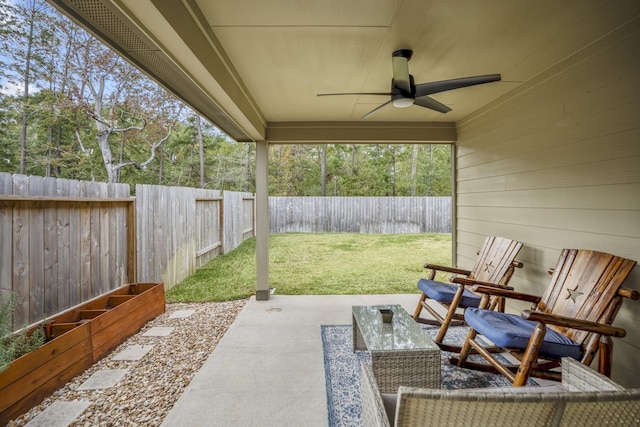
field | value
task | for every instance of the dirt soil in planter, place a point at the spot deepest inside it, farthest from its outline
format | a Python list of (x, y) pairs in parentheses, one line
[(153, 384)]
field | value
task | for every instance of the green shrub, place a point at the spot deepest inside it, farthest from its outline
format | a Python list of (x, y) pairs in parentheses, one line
[(12, 345)]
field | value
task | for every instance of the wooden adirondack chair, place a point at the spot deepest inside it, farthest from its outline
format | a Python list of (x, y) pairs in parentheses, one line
[(495, 266), (572, 319)]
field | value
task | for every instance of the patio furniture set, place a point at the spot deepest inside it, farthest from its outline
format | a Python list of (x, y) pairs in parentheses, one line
[(556, 340)]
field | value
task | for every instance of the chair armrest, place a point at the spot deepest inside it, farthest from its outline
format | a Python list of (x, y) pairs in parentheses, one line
[(570, 322), (629, 293), (465, 281), (492, 289), (447, 269)]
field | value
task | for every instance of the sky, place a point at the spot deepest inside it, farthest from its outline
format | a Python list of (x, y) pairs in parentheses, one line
[(7, 88)]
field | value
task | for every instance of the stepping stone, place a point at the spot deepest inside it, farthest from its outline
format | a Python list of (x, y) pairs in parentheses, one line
[(59, 414), (158, 331), (180, 314), (133, 352), (103, 378)]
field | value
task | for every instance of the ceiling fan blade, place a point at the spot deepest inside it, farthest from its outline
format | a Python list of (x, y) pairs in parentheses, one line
[(372, 112), (356, 93), (423, 89), (401, 78), (432, 104)]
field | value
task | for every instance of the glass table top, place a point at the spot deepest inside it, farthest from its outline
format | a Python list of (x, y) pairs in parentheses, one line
[(403, 333)]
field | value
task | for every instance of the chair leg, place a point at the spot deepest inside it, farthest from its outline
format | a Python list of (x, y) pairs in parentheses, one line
[(530, 355), (606, 355), (423, 297), (466, 347), (418, 309), (450, 314)]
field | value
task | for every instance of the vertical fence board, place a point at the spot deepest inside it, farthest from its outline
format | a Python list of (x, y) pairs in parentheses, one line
[(63, 232), (36, 250), (142, 219), (85, 244), (113, 240), (50, 235), (101, 241), (21, 254), (75, 245), (6, 241)]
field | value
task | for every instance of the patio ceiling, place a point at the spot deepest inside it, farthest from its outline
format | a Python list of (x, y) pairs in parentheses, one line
[(254, 67)]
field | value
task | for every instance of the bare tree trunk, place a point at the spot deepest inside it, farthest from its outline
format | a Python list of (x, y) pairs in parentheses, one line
[(247, 167), (280, 148), (414, 167), (50, 151), (201, 149), (47, 169), (105, 149), (190, 175), (160, 168), (430, 190), (58, 149), (323, 170), (393, 170), (353, 159), (25, 97), (121, 155)]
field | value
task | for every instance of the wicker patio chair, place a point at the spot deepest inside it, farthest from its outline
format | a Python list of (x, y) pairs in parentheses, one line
[(585, 398), (572, 319), (495, 264)]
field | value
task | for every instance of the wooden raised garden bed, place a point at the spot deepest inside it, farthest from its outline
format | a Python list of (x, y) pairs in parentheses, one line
[(76, 339)]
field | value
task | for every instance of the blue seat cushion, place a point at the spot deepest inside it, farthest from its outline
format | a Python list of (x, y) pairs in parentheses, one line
[(512, 331), (444, 293)]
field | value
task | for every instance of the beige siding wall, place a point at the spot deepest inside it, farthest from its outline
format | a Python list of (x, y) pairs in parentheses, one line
[(557, 165)]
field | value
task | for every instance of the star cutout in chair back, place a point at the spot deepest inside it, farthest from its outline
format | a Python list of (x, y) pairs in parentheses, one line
[(488, 266), (574, 293)]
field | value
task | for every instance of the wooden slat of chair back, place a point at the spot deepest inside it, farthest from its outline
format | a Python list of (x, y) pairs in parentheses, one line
[(583, 286), (495, 260)]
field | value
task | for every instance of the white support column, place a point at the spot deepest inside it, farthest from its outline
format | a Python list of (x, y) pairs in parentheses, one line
[(262, 220)]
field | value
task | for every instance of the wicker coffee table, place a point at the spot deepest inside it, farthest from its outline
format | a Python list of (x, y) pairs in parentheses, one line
[(401, 351)]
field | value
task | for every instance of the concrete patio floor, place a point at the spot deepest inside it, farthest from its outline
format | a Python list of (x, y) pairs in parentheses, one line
[(268, 369)]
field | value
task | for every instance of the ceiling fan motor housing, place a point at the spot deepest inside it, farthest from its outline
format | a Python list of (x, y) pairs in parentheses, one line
[(401, 98), (404, 53)]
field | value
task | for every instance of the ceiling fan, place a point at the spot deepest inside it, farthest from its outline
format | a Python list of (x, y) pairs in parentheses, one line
[(404, 92)]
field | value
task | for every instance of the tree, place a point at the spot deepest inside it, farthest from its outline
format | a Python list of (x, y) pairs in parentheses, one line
[(24, 35), (200, 149), (9, 134), (116, 97), (360, 170), (323, 171)]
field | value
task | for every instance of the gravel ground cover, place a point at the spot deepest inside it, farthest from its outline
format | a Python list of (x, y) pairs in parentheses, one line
[(151, 386)]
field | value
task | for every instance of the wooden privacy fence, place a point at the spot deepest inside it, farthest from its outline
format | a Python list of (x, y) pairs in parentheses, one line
[(375, 215), (63, 242), (180, 229)]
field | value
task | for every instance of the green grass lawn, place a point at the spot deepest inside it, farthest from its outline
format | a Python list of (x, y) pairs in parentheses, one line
[(319, 264)]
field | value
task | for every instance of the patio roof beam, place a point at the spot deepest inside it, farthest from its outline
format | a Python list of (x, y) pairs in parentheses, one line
[(361, 132)]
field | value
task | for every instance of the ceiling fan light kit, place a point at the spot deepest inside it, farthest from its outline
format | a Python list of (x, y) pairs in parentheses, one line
[(405, 93), (402, 102)]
